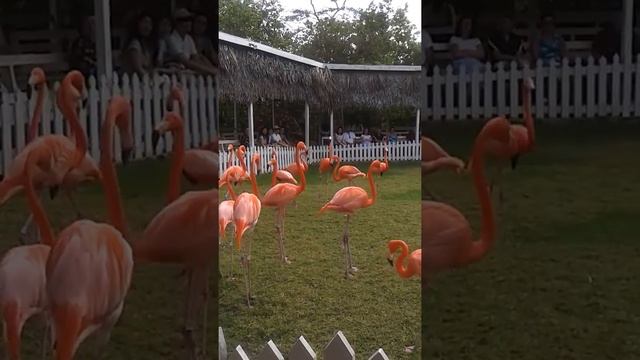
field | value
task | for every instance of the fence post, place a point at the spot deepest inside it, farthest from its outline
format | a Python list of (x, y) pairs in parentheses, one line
[(222, 345), (339, 348)]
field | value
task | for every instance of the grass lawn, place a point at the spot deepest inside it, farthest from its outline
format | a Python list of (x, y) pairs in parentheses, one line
[(311, 297), (150, 327), (563, 281)]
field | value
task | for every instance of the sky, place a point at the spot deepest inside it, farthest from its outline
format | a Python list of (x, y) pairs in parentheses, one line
[(414, 12)]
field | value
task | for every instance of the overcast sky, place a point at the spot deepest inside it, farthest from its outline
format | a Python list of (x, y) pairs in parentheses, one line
[(414, 12)]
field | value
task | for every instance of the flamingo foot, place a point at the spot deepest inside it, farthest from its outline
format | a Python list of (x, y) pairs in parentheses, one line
[(353, 270), (286, 260)]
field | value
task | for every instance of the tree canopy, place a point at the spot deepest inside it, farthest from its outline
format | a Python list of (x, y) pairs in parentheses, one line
[(377, 34)]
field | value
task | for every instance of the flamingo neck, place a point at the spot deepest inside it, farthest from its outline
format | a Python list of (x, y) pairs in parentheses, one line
[(68, 109), (39, 214), (274, 179), (109, 178), (372, 187), (230, 190), (243, 165), (528, 118), (480, 247), (37, 112), (405, 271), (303, 180), (230, 160), (177, 163), (254, 182), (334, 174)]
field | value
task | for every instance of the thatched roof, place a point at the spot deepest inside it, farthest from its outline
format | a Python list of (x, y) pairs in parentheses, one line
[(252, 72)]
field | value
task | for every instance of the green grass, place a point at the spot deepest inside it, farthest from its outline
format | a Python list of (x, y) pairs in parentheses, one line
[(563, 281), (151, 323), (311, 297)]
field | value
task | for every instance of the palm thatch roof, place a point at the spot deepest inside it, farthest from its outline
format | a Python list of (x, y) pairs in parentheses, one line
[(252, 72)]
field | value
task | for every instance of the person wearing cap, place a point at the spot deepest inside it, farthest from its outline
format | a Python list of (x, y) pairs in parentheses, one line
[(182, 48)]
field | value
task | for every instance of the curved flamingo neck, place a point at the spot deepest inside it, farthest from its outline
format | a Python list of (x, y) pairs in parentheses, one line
[(254, 181), (480, 247), (243, 165), (68, 109), (231, 192), (37, 113), (109, 178), (528, 118), (372, 186), (303, 180), (39, 214), (334, 174), (177, 163), (405, 271), (230, 160), (274, 178)]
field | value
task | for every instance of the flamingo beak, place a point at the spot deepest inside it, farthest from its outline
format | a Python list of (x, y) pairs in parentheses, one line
[(155, 137), (126, 153), (390, 260), (514, 162), (53, 191)]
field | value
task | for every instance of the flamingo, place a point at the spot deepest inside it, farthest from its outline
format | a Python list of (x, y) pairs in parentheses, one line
[(246, 212), (279, 175), (89, 269), (225, 217), (521, 137), (348, 172), (199, 167), (434, 158), (235, 173), (294, 168), (22, 271), (346, 201), (446, 233), (281, 195), (72, 166), (325, 168), (414, 266)]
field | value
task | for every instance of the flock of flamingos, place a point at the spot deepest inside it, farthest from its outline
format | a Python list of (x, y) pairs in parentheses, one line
[(78, 278), (243, 211), (446, 233)]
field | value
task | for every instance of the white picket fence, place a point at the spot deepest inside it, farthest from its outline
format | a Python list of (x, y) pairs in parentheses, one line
[(401, 151), (594, 89), (337, 349), (148, 97)]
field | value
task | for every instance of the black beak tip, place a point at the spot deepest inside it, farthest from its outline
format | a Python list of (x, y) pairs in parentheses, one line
[(53, 192), (514, 162), (155, 137), (390, 261)]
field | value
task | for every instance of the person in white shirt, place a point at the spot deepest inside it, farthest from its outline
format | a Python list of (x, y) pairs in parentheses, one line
[(349, 137), (466, 50), (276, 139), (366, 137), (340, 137), (182, 49)]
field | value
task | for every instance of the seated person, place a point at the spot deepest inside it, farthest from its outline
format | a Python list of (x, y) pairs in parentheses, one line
[(606, 43), (276, 139), (350, 136), (548, 46), (182, 48), (505, 45), (339, 137), (392, 137), (203, 42), (466, 49), (427, 49), (140, 49), (366, 138)]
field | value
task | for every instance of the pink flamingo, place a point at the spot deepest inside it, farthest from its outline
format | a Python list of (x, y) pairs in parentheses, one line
[(434, 158), (236, 173), (246, 212), (325, 168), (414, 266), (346, 172), (279, 175), (346, 201), (281, 195), (446, 233)]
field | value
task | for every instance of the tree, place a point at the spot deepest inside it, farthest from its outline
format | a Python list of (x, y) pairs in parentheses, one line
[(378, 34), (259, 20)]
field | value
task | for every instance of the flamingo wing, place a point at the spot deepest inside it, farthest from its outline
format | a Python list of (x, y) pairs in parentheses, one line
[(88, 276), (446, 234), (201, 165), (347, 199), (280, 195), (225, 215), (182, 231), (285, 176)]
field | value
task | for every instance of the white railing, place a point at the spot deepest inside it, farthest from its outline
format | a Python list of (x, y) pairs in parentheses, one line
[(401, 151), (580, 90), (337, 349), (148, 97)]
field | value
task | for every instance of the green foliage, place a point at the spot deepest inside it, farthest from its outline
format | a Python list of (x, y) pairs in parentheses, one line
[(259, 20)]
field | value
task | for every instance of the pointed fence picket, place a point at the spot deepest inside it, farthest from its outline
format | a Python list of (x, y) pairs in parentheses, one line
[(401, 151), (147, 96), (338, 348), (582, 88)]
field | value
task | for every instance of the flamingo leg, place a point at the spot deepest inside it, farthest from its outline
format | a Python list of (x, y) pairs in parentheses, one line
[(45, 336), (345, 247), (352, 269), (284, 253), (187, 331), (197, 297), (205, 310)]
